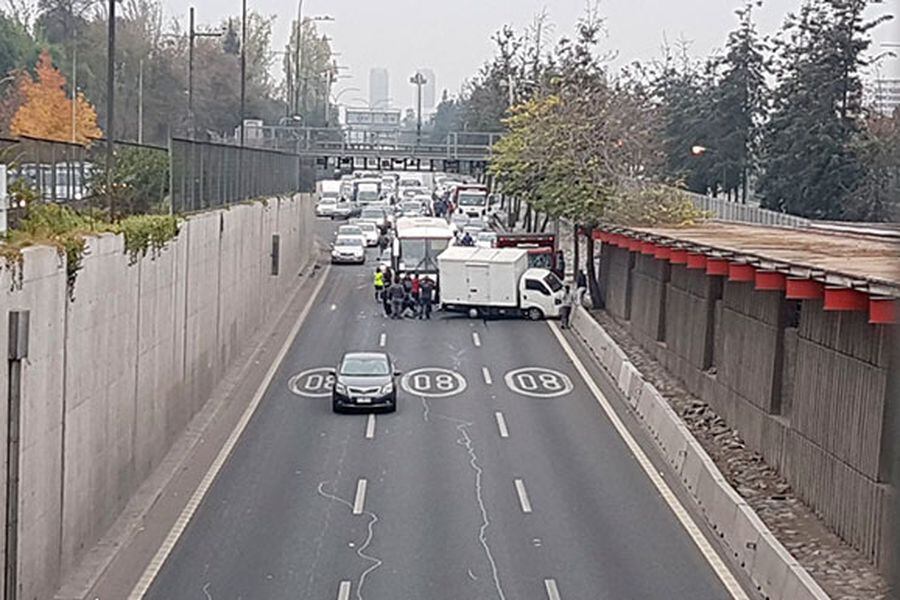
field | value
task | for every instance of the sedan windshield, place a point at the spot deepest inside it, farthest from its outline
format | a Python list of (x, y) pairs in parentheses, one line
[(356, 366), (350, 230), (372, 214), (472, 199), (348, 241)]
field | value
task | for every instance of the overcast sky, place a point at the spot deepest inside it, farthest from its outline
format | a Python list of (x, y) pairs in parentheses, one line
[(452, 37)]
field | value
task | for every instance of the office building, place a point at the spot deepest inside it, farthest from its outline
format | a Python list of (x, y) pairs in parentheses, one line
[(379, 88)]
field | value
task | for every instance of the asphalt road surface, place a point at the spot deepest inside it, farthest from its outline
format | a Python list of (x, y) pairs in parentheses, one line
[(499, 477)]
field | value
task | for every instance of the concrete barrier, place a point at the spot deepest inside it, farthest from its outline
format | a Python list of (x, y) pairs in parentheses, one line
[(114, 375), (774, 572)]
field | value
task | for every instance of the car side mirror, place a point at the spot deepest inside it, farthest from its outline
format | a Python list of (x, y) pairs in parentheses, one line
[(398, 373), (332, 372)]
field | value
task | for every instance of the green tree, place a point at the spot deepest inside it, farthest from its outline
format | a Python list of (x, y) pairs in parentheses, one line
[(812, 157), (738, 106)]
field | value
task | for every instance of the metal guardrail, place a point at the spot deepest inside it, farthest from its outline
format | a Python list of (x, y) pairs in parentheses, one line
[(724, 210), (207, 175)]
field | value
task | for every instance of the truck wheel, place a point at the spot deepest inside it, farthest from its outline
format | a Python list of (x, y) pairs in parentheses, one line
[(535, 314), (473, 313)]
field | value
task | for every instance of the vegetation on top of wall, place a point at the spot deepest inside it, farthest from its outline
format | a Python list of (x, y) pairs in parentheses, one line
[(653, 204), (67, 230)]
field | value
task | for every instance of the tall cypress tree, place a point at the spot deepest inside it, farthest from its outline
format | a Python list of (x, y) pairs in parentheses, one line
[(811, 162), (739, 103)]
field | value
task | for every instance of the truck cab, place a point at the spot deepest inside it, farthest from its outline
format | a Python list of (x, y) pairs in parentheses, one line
[(540, 290)]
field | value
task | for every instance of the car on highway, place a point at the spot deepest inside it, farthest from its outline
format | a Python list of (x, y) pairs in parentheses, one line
[(458, 222), (412, 208), (486, 239), (365, 381), (377, 215), (349, 230), (345, 209), (370, 231), (348, 249), (325, 207)]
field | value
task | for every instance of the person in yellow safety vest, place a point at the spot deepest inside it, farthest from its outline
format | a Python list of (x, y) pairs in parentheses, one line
[(379, 283)]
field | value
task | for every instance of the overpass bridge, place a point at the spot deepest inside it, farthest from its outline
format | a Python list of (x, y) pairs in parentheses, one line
[(333, 148)]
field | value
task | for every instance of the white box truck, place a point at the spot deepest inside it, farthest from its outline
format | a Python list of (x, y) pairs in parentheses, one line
[(496, 281)]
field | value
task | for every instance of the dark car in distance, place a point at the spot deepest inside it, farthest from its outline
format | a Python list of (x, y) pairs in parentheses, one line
[(365, 381)]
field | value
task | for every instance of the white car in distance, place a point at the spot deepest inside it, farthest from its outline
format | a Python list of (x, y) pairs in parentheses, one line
[(348, 249), (486, 239), (370, 232), (325, 207)]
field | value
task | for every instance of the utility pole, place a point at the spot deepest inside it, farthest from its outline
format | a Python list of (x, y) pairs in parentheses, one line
[(418, 80), (141, 101), (243, 67), (298, 72), (110, 104), (193, 35), (74, 88)]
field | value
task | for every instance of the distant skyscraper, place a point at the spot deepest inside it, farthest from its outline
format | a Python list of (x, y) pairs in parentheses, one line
[(379, 88), (428, 90)]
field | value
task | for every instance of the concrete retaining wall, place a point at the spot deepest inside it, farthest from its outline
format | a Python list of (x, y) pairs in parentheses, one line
[(769, 566), (805, 388), (115, 375)]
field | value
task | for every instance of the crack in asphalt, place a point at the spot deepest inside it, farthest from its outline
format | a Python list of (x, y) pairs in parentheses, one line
[(465, 440), (360, 550), (320, 538)]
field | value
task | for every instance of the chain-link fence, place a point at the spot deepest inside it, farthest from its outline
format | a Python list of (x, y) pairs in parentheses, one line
[(206, 175)]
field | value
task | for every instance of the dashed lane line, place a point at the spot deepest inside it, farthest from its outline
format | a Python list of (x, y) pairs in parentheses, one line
[(486, 373), (501, 424), (476, 339), (382, 340), (359, 501), (344, 591), (523, 496), (196, 498), (706, 549), (370, 427), (552, 590)]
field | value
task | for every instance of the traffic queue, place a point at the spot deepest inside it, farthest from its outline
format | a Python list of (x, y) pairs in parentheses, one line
[(414, 224)]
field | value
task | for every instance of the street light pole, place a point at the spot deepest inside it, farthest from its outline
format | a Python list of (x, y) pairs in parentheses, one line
[(192, 36), (243, 66), (418, 80), (110, 103)]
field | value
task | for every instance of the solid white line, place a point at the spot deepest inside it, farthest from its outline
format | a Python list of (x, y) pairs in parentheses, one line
[(487, 376), (382, 340), (190, 508), (552, 590), (344, 591), (359, 502), (718, 566), (523, 496), (501, 424), (370, 427), (476, 339)]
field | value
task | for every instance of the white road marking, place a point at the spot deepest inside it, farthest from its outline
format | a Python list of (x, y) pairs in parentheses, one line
[(718, 566), (359, 502), (370, 427), (190, 508), (523, 496), (552, 590), (476, 339), (487, 376), (344, 591), (501, 424), (382, 340)]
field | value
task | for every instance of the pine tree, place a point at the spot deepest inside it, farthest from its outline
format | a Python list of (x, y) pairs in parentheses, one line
[(739, 103), (812, 164)]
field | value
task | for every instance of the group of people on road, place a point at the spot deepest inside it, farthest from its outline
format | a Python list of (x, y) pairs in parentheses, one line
[(408, 296)]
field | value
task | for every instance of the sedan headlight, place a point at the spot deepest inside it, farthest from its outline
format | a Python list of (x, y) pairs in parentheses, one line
[(387, 388), (340, 388)]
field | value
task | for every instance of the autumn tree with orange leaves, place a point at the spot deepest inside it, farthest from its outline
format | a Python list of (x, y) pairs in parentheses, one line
[(46, 109)]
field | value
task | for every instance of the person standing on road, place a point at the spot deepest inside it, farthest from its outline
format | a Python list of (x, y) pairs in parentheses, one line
[(561, 265), (580, 287), (382, 244), (397, 294), (379, 284), (426, 298), (565, 310)]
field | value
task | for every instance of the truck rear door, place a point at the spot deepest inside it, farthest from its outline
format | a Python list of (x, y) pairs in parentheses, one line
[(479, 283)]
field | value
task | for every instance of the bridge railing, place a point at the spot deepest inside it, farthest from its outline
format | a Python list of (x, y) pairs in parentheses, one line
[(725, 210)]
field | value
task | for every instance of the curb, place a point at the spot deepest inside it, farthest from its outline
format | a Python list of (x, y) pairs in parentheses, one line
[(751, 545)]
